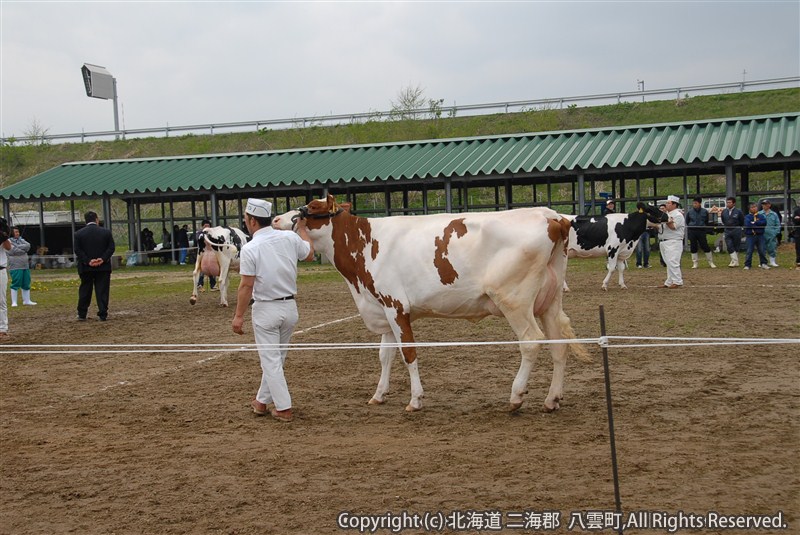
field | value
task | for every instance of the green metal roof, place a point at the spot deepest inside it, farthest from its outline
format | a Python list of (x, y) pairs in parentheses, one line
[(717, 140)]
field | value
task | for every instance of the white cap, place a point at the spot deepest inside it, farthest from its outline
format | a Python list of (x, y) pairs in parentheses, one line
[(258, 208), (674, 198), (610, 201)]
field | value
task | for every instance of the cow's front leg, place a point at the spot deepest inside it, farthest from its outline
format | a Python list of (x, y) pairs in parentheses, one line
[(387, 353), (401, 326)]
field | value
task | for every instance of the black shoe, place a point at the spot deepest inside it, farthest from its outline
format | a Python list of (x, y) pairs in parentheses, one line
[(81, 318), (102, 318)]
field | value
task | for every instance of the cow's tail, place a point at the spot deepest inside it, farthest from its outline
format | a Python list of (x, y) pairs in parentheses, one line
[(558, 261)]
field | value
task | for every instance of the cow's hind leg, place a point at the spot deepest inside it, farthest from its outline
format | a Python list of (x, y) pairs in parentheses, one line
[(401, 327), (557, 327), (621, 265), (387, 353), (527, 331), (195, 279)]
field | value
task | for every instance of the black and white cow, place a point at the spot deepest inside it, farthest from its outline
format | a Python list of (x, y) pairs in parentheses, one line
[(217, 253), (614, 236)]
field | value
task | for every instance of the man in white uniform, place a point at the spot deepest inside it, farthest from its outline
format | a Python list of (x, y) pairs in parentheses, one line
[(268, 266), (671, 242), (5, 245)]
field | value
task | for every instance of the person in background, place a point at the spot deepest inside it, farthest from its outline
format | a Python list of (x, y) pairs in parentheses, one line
[(643, 250), (5, 246), (754, 225), (733, 221), (94, 246), (697, 228), (212, 280), (269, 278), (796, 223), (183, 242), (663, 208), (771, 232), (611, 207), (19, 268), (671, 243)]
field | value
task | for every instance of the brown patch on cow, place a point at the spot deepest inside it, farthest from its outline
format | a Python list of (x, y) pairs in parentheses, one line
[(403, 320), (351, 235), (447, 273)]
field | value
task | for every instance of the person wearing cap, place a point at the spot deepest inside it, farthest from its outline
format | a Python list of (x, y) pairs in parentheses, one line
[(754, 225), (610, 207), (696, 229), (268, 267), (671, 242), (771, 232), (733, 221), (796, 223), (212, 280)]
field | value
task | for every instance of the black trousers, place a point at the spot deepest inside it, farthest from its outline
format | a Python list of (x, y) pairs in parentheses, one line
[(697, 240), (101, 282)]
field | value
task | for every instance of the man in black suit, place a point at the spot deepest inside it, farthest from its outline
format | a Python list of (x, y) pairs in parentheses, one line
[(94, 247)]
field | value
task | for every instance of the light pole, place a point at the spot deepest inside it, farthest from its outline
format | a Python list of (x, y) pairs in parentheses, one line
[(100, 83), (640, 86)]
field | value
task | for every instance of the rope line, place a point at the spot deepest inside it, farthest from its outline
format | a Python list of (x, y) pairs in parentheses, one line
[(603, 341)]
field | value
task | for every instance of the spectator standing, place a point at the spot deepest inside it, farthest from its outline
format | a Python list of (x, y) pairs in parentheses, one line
[(183, 242), (796, 222), (212, 280), (611, 207), (697, 229), (733, 221), (643, 250), (19, 268), (5, 246), (754, 225), (269, 277), (771, 232), (671, 243), (663, 208), (94, 246)]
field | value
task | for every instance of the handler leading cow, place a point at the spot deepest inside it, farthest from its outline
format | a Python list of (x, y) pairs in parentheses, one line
[(469, 266)]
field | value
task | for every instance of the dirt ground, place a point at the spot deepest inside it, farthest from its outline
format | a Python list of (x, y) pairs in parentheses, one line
[(148, 442)]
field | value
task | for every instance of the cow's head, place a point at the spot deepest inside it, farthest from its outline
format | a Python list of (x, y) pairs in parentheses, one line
[(654, 215), (318, 210)]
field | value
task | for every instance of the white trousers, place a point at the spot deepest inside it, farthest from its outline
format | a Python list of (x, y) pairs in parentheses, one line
[(273, 323), (3, 304), (672, 250)]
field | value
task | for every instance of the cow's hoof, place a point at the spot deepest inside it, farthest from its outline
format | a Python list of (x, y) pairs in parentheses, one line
[(514, 407), (624, 287), (193, 300), (547, 408), (605, 288), (374, 401), (224, 305), (412, 408)]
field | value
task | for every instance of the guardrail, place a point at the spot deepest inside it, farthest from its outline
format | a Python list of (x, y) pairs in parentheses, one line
[(422, 113)]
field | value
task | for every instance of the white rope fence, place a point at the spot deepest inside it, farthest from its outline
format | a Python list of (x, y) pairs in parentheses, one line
[(603, 342)]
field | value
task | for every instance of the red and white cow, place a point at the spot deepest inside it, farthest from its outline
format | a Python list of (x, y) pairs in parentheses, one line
[(614, 236), (217, 253), (469, 266)]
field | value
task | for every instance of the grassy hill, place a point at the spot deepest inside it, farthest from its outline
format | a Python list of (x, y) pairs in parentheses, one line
[(18, 162)]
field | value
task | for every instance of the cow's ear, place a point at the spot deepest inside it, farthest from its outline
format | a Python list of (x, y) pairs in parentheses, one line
[(331, 203)]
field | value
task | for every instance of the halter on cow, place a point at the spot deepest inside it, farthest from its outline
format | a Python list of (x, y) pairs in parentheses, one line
[(468, 266)]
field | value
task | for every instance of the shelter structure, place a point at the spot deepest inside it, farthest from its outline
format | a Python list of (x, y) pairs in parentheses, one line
[(439, 175)]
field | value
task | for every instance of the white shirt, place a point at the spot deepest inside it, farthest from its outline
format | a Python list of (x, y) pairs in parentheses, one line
[(3, 258), (271, 256), (679, 221)]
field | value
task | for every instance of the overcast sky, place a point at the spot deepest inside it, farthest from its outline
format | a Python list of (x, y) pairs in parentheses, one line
[(185, 63)]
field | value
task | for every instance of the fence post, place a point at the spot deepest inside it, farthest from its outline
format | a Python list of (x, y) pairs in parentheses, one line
[(612, 440)]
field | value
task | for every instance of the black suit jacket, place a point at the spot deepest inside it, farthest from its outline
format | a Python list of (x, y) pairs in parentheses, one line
[(93, 241)]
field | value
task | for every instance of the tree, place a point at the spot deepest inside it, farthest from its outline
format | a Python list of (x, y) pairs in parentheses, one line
[(409, 99), (36, 134)]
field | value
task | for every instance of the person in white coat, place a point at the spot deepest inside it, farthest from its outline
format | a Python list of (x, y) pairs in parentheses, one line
[(268, 267), (671, 242)]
